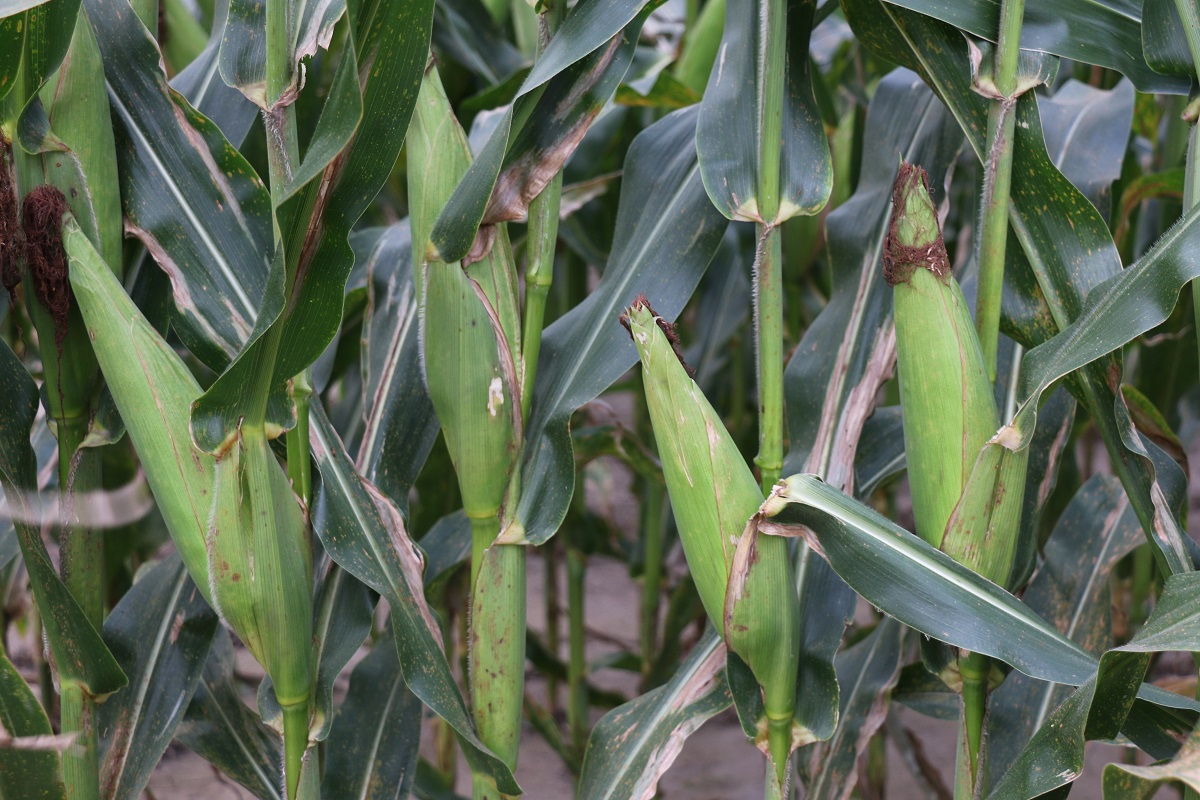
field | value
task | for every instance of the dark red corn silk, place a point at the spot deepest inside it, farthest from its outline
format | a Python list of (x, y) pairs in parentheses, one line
[(900, 260), (667, 328), (41, 219)]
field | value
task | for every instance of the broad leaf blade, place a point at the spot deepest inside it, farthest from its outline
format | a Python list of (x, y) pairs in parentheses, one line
[(34, 774)]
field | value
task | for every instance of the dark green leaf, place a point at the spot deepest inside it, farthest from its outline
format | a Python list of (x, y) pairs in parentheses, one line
[(729, 135), (26, 774), (160, 634), (579, 71), (1103, 32), (1163, 41), (666, 233), (866, 673), (372, 752), (190, 197), (201, 84), (363, 532), (220, 728)]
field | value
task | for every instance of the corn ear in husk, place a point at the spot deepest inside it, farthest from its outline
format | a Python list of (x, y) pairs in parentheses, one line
[(967, 487), (745, 580)]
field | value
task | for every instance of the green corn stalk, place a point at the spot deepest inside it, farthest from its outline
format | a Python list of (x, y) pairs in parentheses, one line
[(967, 488), (470, 326), (744, 581)]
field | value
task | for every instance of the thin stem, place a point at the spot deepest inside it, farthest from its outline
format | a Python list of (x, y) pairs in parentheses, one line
[(997, 183), (577, 706), (768, 330), (553, 617), (974, 668), (652, 555), (299, 463), (772, 33)]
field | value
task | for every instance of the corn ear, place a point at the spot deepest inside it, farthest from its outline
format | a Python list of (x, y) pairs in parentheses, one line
[(745, 580), (154, 392), (983, 530), (261, 575), (949, 412)]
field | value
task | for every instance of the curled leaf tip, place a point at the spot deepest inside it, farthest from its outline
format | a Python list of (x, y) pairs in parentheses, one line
[(914, 238)]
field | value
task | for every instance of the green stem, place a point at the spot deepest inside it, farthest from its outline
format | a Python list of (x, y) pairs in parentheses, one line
[(974, 668), (539, 274), (497, 637), (577, 705), (553, 616), (652, 556), (997, 182), (768, 329)]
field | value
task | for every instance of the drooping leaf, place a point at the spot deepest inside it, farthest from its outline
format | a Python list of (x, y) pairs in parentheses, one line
[(634, 745), (363, 532), (26, 774), (579, 71), (160, 634), (223, 730), (666, 233), (927, 590), (200, 82), (372, 752), (1103, 32), (1134, 782), (730, 133), (190, 197)]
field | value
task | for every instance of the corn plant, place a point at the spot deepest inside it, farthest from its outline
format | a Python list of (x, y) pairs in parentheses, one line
[(350, 346)]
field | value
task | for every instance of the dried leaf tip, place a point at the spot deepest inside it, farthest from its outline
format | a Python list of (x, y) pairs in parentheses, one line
[(914, 238), (641, 309)]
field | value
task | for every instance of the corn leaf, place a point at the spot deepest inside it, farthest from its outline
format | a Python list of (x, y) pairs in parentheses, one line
[(635, 744), (243, 54), (191, 198), (1099, 707), (160, 634), (200, 82), (1103, 32), (729, 134), (1132, 782), (79, 653), (867, 672), (399, 424), (372, 753), (1071, 590), (467, 32), (666, 233), (583, 65), (221, 729), (26, 774), (364, 533), (1164, 43), (12, 41)]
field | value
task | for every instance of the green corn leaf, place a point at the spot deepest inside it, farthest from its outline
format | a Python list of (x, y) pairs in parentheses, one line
[(400, 426), (468, 34), (153, 390), (364, 533), (189, 196), (12, 42), (634, 745), (1071, 590), (867, 671), (221, 729), (1164, 43), (243, 56), (1103, 32), (26, 774), (666, 234), (583, 64), (1098, 708), (1132, 782), (373, 750), (79, 653), (729, 134), (160, 634), (200, 82)]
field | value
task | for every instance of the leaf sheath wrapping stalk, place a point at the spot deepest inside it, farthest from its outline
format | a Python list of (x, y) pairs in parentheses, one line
[(745, 581)]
